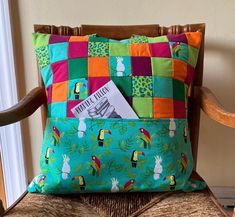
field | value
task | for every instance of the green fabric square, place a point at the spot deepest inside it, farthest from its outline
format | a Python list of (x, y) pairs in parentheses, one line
[(124, 84), (178, 90), (42, 55), (120, 66), (47, 76), (59, 109), (98, 49), (40, 40), (142, 86), (119, 49), (161, 66), (192, 56), (162, 87), (98, 39), (143, 106), (158, 39), (138, 39), (77, 89), (77, 68)]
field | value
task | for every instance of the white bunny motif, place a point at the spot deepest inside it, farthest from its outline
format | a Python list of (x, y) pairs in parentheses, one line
[(120, 66), (114, 185), (66, 167), (172, 127), (81, 128), (157, 168)]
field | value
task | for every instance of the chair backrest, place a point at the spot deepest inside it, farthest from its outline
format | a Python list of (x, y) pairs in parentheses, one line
[(122, 32)]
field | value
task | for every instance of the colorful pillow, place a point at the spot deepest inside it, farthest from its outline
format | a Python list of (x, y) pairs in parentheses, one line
[(152, 153)]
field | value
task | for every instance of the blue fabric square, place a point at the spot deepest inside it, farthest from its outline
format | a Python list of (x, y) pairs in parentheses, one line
[(58, 109), (78, 89), (179, 50), (58, 51), (46, 73), (120, 66), (163, 87)]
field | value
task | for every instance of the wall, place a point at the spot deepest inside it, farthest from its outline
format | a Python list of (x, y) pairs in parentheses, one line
[(216, 149)]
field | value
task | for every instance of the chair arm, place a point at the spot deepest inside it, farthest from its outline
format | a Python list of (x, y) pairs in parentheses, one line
[(27, 106), (212, 107)]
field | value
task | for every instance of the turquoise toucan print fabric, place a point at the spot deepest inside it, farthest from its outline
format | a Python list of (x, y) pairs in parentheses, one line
[(115, 155)]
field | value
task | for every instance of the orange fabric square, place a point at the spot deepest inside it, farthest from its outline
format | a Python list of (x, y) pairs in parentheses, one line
[(98, 66), (163, 108), (140, 50), (194, 39), (59, 91), (78, 38), (179, 71)]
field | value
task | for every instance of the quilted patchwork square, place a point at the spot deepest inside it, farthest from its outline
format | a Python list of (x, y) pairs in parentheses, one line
[(140, 50), (47, 76), (60, 71), (58, 51), (98, 66), (192, 56), (142, 86), (124, 84), (78, 68), (194, 39), (179, 109), (119, 66), (163, 108), (178, 90), (49, 94), (98, 39), (161, 66), (143, 106), (77, 89), (58, 39), (42, 55), (160, 49), (190, 74), (59, 91), (79, 38), (71, 104), (179, 50), (58, 109), (177, 38), (94, 83), (179, 70), (162, 87), (158, 39), (98, 49), (141, 66), (78, 49), (119, 49), (137, 39), (40, 40)]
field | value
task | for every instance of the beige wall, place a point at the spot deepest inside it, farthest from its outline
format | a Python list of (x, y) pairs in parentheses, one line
[(217, 143)]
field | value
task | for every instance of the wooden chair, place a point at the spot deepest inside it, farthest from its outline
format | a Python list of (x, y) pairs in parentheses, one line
[(202, 203)]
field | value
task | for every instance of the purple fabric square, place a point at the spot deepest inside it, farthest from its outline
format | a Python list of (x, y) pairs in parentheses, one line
[(60, 71), (179, 109), (141, 66), (70, 105), (78, 49), (58, 38), (178, 38), (94, 83), (49, 94), (160, 49), (190, 74)]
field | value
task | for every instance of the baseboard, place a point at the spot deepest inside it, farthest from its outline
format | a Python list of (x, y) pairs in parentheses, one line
[(226, 195)]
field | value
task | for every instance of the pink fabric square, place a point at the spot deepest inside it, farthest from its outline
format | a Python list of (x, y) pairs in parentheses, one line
[(179, 109), (60, 71), (78, 49), (58, 38), (49, 94), (94, 83), (190, 74), (160, 49), (71, 104)]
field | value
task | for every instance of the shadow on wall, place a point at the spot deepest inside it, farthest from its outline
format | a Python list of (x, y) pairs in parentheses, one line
[(20, 77)]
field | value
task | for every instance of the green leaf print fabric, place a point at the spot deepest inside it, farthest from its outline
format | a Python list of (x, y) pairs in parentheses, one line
[(114, 155)]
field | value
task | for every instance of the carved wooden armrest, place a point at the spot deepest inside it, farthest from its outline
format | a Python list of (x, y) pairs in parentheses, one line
[(212, 107), (27, 106)]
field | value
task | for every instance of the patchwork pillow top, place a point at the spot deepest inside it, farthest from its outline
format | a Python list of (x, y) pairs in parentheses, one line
[(152, 153)]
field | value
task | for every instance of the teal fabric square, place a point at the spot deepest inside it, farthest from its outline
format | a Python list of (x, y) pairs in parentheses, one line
[(58, 109), (178, 90), (47, 75), (120, 66), (162, 87), (142, 86), (78, 89), (179, 50), (58, 51)]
